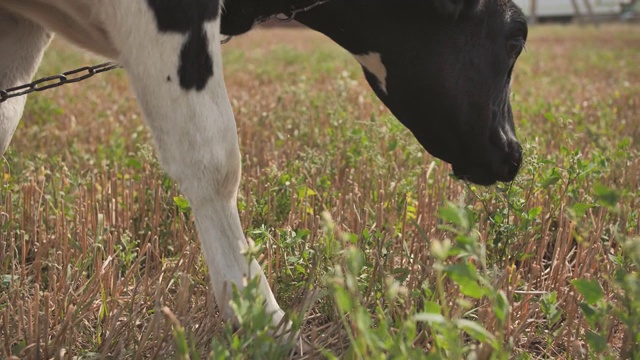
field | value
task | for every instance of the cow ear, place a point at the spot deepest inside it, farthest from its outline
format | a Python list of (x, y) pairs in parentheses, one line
[(453, 8)]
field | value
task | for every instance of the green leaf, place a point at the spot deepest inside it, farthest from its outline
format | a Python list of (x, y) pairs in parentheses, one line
[(454, 215), (476, 331), (393, 144), (534, 212), (134, 163), (430, 318), (343, 300), (590, 289), (304, 192), (590, 313), (181, 202), (606, 196), (501, 306), (551, 179), (400, 274), (440, 249), (363, 319), (581, 209), (6, 280), (466, 276), (432, 307), (549, 306), (597, 342), (355, 260)]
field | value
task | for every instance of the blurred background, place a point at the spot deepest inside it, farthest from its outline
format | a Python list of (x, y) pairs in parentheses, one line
[(581, 10)]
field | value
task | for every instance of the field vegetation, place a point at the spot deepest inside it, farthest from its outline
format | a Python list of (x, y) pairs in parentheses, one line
[(368, 242)]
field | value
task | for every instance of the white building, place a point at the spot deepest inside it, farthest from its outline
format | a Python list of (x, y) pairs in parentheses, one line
[(564, 8)]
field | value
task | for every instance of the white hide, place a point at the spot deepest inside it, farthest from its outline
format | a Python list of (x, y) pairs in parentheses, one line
[(22, 43), (373, 63), (195, 131)]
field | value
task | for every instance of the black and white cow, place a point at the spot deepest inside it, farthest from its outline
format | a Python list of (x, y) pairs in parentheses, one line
[(443, 67)]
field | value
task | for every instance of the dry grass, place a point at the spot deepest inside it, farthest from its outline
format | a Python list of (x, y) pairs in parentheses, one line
[(93, 246)]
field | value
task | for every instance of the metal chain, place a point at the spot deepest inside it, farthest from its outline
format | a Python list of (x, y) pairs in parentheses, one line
[(86, 72), (291, 14), (50, 82)]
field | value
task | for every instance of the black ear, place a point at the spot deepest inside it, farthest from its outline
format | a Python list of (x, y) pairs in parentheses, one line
[(453, 8)]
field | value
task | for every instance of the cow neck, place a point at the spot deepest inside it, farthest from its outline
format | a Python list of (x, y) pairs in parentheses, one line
[(336, 20), (240, 16)]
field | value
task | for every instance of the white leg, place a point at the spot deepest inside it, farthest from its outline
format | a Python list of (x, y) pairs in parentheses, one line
[(22, 44), (186, 107), (196, 137)]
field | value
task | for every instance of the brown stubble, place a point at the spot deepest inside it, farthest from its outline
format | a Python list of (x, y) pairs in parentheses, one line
[(74, 256)]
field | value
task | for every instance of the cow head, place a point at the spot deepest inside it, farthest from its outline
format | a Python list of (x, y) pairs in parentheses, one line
[(443, 68)]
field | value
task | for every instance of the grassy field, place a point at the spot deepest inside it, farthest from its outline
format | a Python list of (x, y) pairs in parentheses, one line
[(99, 256)]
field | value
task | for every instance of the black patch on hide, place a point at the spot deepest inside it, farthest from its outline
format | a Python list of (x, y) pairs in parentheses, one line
[(188, 17)]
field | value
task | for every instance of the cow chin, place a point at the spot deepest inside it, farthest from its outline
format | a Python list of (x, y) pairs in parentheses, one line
[(503, 169), (475, 175)]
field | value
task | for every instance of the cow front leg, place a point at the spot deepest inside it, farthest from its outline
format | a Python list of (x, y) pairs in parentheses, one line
[(176, 71), (22, 43)]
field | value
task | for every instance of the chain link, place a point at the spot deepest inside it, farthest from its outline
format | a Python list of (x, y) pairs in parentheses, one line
[(291, 14), (86, 72), (51, 82)]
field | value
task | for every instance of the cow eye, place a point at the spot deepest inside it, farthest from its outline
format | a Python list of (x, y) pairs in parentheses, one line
[(515, 47)]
